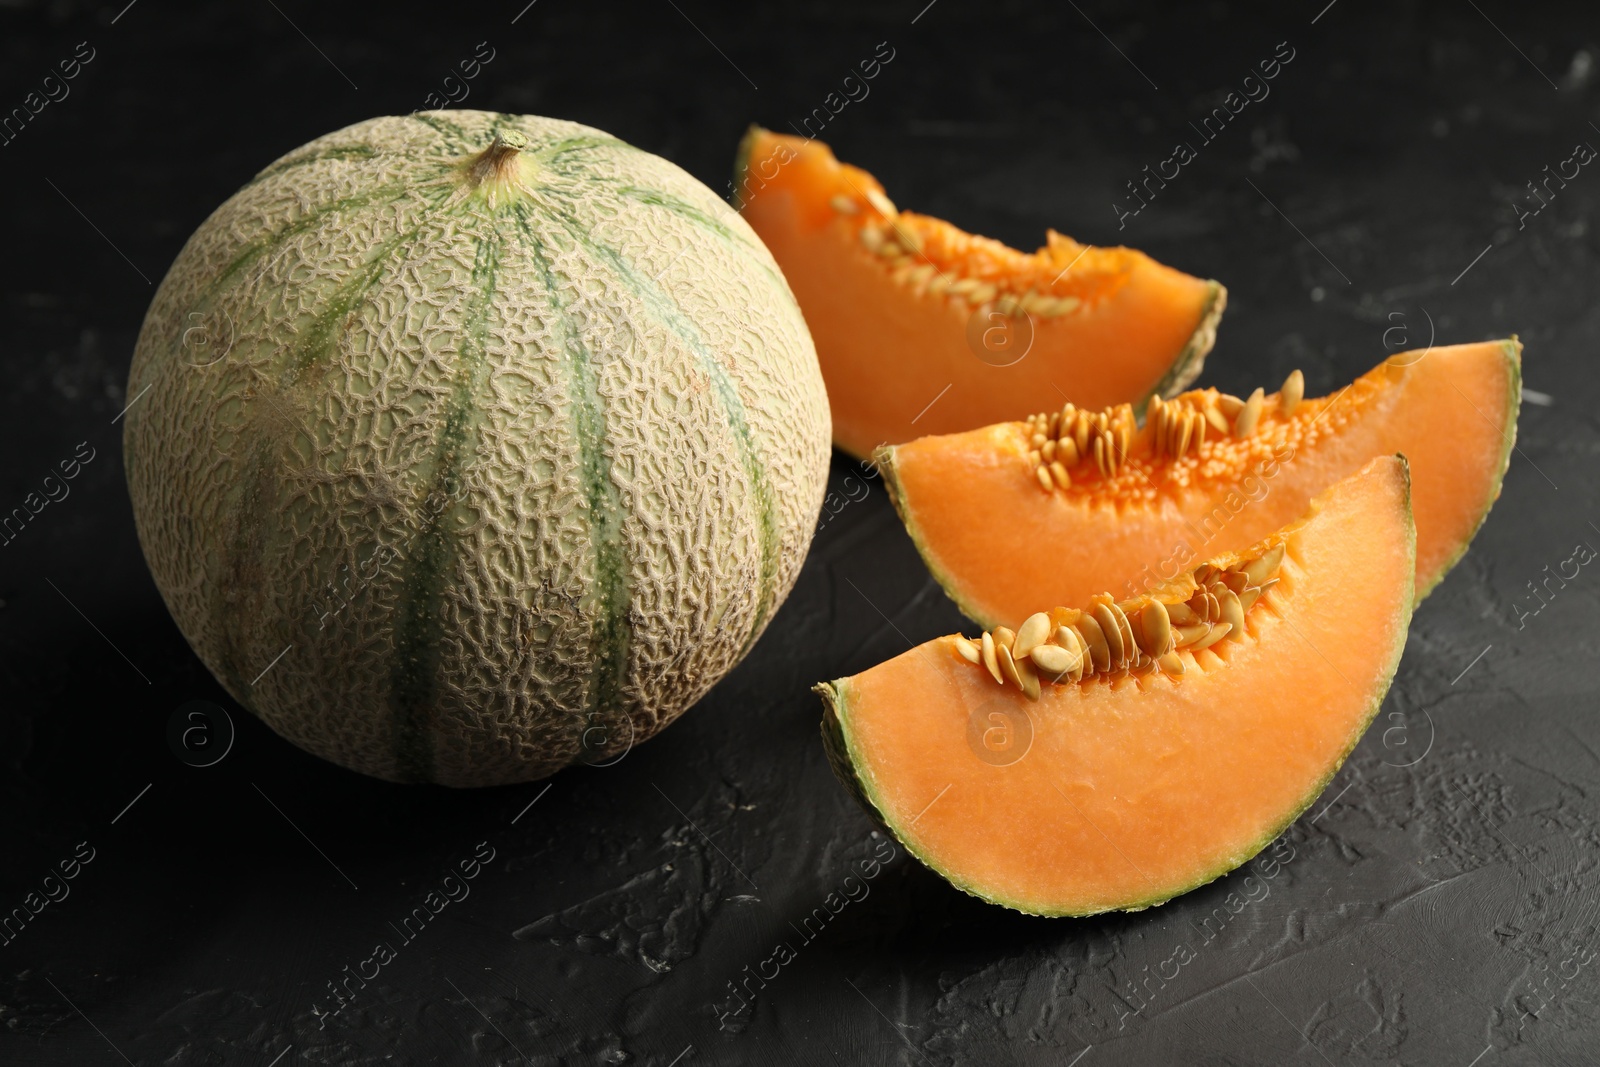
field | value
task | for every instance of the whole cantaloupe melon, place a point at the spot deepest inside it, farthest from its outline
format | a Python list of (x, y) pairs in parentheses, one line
[(465, 446)]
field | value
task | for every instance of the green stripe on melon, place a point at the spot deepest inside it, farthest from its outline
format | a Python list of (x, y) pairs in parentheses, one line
[(559, 380)]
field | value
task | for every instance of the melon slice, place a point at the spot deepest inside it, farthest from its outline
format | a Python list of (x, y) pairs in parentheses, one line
[(1019, 514), (1115, 757), (923, 328)]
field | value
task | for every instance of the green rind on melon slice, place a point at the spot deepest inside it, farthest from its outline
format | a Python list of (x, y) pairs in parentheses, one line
[(1512, 350), (837, 746), (855, 774), (1192, 360), (884, 460)]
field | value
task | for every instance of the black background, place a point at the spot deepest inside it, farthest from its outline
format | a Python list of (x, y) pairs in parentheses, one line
[(1438, 904)]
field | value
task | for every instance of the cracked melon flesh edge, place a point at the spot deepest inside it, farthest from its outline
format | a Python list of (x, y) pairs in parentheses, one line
[(1136, 790)]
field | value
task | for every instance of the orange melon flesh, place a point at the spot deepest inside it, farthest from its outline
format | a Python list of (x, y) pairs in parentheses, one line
[(1002, 547), (901, 357), (1137, 790)]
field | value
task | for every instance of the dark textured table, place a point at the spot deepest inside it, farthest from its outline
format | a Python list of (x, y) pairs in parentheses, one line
[(1438, 905)]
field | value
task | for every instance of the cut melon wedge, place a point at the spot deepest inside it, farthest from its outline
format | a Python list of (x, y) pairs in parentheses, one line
[(1165, 769), (923, 328), (1011, 516)]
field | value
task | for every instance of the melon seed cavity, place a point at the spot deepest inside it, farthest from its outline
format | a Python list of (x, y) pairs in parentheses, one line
[(1112, 639)]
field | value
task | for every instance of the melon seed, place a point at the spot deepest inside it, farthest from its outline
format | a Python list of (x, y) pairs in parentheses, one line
[(1053, 661), (982, 294), (910, 238), (1171, 664), (1229, 405), (1218, 632), (1188, 635), (1067, 452), (1059, 473), (1008, 666), (1130, 647), (1185, 430), (1068, 639), (1094, 639), (1043, 474), (969, 651), (1080, 434), (1047, 447), (1245, 424), (1034, 631), (1155, 629), (1233, 612), (1216, 419), (1027, 677), (1248, 598), (884, 205), (872, 238), (1181, 615), (1265, 565), (1293, 391), (1113, 635), (990, 660), (1235, 581)]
